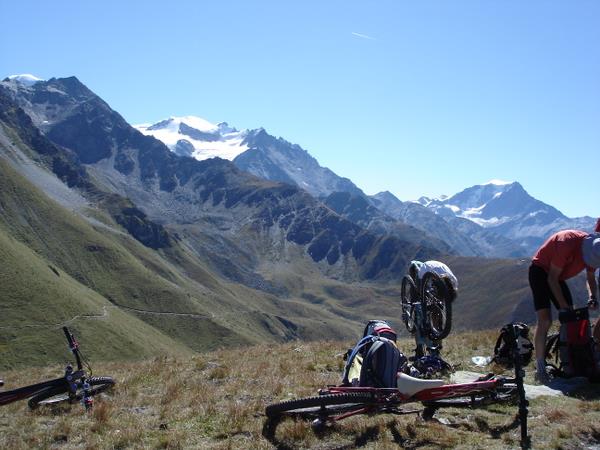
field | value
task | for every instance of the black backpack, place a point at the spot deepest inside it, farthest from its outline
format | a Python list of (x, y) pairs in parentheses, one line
[(573, 347), (375, 360), (503, 349)]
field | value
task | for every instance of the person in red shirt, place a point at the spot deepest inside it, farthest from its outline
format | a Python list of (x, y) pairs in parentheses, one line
[(564, 255)]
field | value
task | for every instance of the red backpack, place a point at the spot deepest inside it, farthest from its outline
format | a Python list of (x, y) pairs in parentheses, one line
[(573, 347)]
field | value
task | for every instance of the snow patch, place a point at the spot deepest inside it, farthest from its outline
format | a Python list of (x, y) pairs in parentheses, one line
[(491, 222), (26, 78), (225, 142)]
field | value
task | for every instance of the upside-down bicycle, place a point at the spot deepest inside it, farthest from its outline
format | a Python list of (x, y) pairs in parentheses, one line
[(74, 386), (435, 296), (335, 403)]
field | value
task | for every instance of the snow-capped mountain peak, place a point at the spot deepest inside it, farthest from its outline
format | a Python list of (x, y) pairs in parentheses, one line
[(26, 78), (196, 137), (507, 208)]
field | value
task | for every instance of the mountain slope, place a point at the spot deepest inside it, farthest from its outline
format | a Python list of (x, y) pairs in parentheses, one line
[(38, 295)]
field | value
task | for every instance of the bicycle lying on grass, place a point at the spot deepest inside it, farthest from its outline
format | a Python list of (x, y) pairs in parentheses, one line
[(335, 403), (74, 386)]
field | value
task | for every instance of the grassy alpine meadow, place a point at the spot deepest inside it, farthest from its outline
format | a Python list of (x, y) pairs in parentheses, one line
[(217, 400)]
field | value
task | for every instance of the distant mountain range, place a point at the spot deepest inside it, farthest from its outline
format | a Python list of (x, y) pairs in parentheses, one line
[(496, 219), (105, 227)]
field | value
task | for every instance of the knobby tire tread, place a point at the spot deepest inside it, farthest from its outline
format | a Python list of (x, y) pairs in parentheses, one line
[(502, 395), (278, 409), (447, 304), (408, 288)]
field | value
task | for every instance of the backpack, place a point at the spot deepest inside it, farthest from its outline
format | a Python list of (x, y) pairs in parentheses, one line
[(375, 360), (379, 328), (503, 349), (573, 347)]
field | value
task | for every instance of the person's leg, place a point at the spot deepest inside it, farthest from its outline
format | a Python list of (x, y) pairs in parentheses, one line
[(542, 296), (544, 321)]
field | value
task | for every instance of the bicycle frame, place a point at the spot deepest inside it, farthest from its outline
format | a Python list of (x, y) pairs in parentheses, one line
[(394, 396), (68, 380)]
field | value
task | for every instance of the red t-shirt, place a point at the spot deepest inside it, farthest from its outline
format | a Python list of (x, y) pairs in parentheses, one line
[(562, 249), (597, 229)]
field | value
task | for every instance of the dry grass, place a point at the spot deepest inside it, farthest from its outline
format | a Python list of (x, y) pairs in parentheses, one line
[(216, 400)]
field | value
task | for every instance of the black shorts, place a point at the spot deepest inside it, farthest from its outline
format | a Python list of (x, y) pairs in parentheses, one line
[(542, 294)]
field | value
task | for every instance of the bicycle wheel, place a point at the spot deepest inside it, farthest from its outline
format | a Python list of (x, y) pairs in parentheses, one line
[(507, 393), (437, 305), (58, 394), (321, 406), (408, 295)]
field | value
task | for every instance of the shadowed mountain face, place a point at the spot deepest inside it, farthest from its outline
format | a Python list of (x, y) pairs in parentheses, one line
[(277, 159)]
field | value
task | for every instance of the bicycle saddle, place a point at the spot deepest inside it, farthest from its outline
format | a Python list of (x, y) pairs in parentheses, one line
[(410, 385)]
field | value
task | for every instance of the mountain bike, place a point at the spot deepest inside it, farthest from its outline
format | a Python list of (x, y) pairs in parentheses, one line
[(74, 386), (427, 306), (335, 403)]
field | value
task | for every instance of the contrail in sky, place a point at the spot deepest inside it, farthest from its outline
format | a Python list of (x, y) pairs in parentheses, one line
[(363, 36)]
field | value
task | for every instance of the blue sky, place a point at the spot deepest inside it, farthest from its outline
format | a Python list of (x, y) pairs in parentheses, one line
[(418, 98)]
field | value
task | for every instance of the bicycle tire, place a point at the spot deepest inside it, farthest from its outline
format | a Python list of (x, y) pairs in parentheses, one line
[(502, 394), (408, 294), (323, 405), (58, 394), (437, 306)]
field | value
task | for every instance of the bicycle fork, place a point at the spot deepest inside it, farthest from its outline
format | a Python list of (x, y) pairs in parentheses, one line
[(423, 343)]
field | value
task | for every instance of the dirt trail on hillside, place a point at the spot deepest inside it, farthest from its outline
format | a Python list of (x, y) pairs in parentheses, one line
[(104, 315)]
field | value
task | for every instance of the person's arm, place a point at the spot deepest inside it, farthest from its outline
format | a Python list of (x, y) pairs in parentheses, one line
[(553, 282)]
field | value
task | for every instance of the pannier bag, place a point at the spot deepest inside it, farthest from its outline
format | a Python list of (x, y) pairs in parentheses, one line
[(503, 348), (573, 347), (375, 360)]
